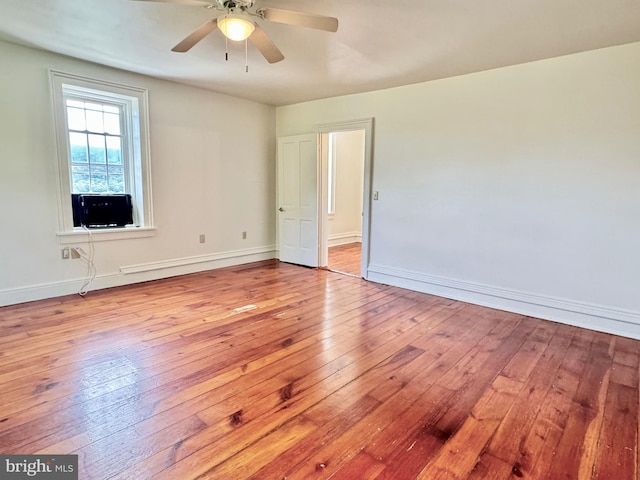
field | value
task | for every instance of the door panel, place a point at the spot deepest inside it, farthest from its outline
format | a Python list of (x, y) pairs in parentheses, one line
[(298, 199)]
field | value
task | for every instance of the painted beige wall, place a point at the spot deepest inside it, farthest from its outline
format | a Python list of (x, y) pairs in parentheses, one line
[(515, 188), (212, 167)]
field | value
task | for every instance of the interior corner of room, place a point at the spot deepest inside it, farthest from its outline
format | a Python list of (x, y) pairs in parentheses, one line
[(514, 188)]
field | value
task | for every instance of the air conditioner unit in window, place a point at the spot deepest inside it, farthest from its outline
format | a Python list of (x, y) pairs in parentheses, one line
[(101, 211)]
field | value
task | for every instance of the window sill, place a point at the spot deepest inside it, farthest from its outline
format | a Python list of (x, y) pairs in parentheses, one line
[(102, 235)]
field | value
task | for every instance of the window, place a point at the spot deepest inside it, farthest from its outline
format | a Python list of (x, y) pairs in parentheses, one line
[(95, 143), (102, 133)]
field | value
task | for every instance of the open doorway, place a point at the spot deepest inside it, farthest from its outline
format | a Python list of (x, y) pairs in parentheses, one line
[(344, 170), (302, 189)]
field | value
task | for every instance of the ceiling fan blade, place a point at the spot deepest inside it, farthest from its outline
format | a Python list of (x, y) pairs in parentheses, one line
[(180, 2), (311, 20), (201, 32), (267, 48)]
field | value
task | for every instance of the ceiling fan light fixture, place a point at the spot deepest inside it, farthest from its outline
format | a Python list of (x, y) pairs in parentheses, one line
[(235, 27)]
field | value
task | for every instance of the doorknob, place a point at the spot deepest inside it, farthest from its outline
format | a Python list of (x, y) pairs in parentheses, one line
[(281, 209)]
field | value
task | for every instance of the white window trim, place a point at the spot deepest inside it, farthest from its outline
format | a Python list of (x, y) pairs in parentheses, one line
[(142, 184)]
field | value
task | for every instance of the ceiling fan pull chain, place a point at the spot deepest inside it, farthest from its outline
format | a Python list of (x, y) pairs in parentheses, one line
[(226, 49), (246, 56)]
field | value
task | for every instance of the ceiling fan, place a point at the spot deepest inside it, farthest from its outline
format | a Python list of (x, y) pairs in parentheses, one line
[(237, 24)]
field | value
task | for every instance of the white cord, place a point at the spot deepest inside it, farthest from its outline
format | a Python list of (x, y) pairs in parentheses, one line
[(91, 268)]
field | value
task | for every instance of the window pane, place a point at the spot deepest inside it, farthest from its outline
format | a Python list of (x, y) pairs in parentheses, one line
[(116, 183), (80, 179), (111, 109), (75, 117), (94, 121), (80, 169), (114, 153), (116, 170), (93, 106), (75, 103), (112, 123), (96, 149), (99, 178), (78, 144)]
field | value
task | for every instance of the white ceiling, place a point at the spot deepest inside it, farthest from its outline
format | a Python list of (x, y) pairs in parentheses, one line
[(379, 44)]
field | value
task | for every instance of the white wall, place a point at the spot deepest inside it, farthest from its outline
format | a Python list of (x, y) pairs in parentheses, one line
[(345, 225), (212, 167), (516, 188)]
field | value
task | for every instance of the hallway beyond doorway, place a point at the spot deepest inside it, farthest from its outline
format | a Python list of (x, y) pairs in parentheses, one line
[(346, 258)]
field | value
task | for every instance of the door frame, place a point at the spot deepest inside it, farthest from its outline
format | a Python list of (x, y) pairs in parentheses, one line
[(367, 125)]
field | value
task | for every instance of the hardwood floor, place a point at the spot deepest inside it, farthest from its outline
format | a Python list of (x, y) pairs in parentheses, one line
[(346, 258), (272, 371)]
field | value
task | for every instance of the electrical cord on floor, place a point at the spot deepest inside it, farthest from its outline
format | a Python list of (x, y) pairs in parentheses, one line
[(91, 268)]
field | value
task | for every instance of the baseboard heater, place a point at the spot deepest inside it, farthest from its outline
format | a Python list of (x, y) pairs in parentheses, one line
[(101, 211)]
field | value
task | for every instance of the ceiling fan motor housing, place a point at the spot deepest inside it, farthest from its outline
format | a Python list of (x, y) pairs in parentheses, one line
[(232, 4)]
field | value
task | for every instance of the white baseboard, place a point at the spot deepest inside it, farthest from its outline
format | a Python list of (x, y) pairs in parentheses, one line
[(595, 317), (139, 273), (344, 238)]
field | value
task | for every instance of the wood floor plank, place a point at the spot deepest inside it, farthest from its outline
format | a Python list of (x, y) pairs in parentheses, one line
[(339, 452), (378, 386), (341, 418), (458, 458), (489, 467), (576, 461), (346, 258), (270, 371), (617, 452), (452, 406), (509, 437), (156, 405), (450, 344), (252, 458), (273, 412)]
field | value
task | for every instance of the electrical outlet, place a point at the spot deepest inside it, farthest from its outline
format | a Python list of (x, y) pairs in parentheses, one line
[(66, 254), (244, 235), (375, 195), (202, 238)]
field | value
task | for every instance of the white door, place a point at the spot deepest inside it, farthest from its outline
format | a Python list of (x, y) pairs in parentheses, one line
[(298, 199)]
